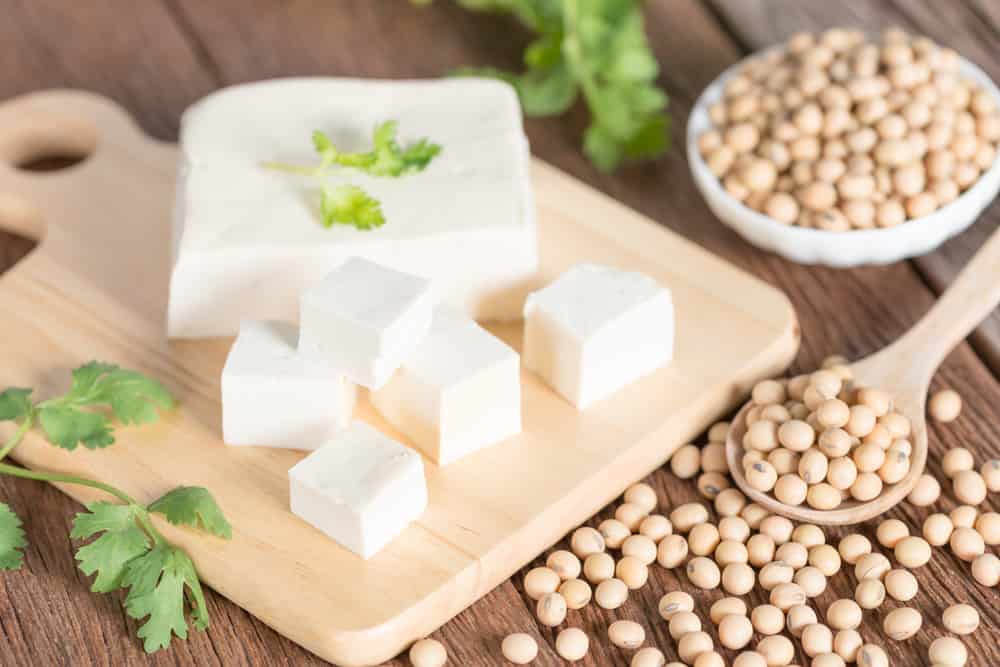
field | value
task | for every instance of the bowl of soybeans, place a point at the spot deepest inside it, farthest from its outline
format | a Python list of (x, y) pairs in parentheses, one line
[(843, 149)]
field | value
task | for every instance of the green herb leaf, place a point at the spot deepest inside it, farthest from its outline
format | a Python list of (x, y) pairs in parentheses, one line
[(159, 582), (651, 140), (350, 205), (193, 506), (347, 204), (322, 142), (602, 147), (67, 427), (329, 155), (15, 403), (12, 539), (387, 159), (392, 161), (132, 398), (597, 48), (543, 92), (128, 551), (121, 541)]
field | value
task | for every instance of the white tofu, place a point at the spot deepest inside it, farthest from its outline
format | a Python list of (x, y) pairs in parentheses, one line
[(458, 393), (596, 329), (361, 488), (247, 240), (364, 320), (272, 397)]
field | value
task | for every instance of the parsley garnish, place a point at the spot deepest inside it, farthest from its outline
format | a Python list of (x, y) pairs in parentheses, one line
[(346, 204), (71, 419), (596, 49), (349, 205), (128, 551)]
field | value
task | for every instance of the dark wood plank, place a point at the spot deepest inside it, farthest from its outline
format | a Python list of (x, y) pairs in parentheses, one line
[(972, 28), (853, 312), (134, 54)]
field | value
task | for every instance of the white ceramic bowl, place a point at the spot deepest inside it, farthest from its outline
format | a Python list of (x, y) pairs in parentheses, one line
[(840, 249)]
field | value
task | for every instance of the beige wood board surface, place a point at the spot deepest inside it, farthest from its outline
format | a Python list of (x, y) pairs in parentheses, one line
[(96, 288)]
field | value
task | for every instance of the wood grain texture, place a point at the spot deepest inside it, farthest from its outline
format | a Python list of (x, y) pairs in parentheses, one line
[(969, 27), (150, 67), (101, 273), (852, 312), (907, 366)]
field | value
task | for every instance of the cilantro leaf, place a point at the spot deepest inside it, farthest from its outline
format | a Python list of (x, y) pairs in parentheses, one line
[(321, 142), (193, 506), (650, 140), (596, 49), (329, 155), (159, 582), (390, 160), (126, 550), (132, 398), (15, 403), (87, 377), (547, 92), (602, 147), (386, 160), (67, 427), (347, 204), (543, 92), (350, 205), (12, 539), (121, 541)]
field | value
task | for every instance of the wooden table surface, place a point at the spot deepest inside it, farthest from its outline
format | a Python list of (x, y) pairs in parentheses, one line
[(158, 56)]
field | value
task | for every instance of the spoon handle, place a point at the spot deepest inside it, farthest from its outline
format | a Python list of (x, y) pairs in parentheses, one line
[(966, 303)]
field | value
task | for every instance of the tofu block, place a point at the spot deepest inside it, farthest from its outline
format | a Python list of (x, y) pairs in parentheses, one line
[(361, 488), (247, 240), (460, 391), (364, 320), (595, 330), (272, 397)]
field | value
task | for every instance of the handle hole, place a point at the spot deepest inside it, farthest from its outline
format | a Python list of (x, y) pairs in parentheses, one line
[(45, 143), (53, 162)]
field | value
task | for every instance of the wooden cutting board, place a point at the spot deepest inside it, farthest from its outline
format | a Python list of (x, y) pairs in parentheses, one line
[(96, 288)]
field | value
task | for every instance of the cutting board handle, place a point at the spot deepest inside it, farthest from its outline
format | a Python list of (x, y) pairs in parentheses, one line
[(90, 129)]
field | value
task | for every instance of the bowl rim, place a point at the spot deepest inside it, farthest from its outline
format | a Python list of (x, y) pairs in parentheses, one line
[(713, 91)]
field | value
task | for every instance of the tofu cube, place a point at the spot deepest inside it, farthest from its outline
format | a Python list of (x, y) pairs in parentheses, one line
[(595, 330), (365, 320), (272, 397), (361, 488), (458, 393), (247, 241)]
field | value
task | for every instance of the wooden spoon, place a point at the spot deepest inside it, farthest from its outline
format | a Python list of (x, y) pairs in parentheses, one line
[(905, 369)]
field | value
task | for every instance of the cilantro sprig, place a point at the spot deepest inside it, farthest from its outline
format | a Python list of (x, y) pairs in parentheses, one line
[(347, 204), (126, 550), (597, 50)]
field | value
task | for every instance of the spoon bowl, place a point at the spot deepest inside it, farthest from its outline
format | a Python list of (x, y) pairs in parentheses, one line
[(904, 369)]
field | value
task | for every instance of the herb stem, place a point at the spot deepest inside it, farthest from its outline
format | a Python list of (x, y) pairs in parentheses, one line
[(18, 436), (141, 514), (573, 52), (42, 476), (292, 168)]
